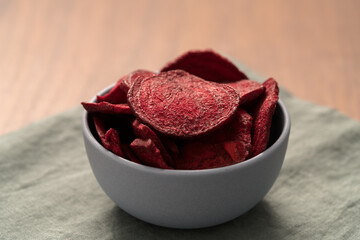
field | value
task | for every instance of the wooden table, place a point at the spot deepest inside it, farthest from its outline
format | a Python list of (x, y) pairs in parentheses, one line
[(55, 54)]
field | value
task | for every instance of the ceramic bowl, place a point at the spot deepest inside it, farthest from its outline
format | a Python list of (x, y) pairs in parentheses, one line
[(188, 198)]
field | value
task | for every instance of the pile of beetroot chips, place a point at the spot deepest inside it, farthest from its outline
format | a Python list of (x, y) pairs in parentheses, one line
[(200, 111)]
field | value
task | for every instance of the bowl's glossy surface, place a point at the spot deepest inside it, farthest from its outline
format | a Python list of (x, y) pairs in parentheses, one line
[(188, 198)]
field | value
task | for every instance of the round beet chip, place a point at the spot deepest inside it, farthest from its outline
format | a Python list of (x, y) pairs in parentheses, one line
[(226, 146), (208, 65), (115, 95), (237, 136), (180, 104), (262, 113), (199, 155), (113, 142), (108, 108), (131, 77), (148, 153), (248, 89), (144, 132)]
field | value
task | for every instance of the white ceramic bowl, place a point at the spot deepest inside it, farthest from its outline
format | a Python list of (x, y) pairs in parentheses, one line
[(188, 198)]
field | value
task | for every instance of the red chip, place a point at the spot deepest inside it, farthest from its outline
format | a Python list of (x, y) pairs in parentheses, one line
[(116, 94), (108, 108), (113, 142), (262, 113), (236, 150), (131, 77), (199, 155), (248, 89), (238, 131), (100, 129), (109, 138), (170, 145), (144, 132), (129, 154), (228, 145), (148, 153), (179, 104), (208, 65), (105, 125)]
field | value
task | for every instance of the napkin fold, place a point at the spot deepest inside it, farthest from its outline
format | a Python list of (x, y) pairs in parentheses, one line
[(48, 191)]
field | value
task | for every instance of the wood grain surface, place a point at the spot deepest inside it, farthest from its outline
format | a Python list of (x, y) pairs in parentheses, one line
[(55, 54)]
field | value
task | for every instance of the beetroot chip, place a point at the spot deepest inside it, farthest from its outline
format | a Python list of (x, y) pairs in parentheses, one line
[(129, 154), (107, 125), (148, 153), (116, 94), (238, 132), (262, 114), (248, 89), (109, 138), (100, 129), (131, 77), (228, 145), (170, 145), (198, 155), (179, 104), (236, 150), (113, 143), (144, 132), (108, 108), (207, 65)]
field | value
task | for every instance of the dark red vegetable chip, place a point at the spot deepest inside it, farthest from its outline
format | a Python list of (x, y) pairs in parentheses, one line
[(129, 154), (199, 155), (179, 104), (115, 95), (100, 128), (239, 132), (208, 65), (108, 108), (248, 89), (170, 145), (131, 77), (236, 150), (227, 145), (144, 132), (121, 123), (113, 143), (148, 153), (110, 139), (262, 113)]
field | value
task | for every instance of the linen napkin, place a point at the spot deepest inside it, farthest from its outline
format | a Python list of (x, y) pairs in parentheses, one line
[(48, 191)]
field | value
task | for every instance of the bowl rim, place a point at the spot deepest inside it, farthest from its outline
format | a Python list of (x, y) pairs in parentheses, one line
[(179, 172)]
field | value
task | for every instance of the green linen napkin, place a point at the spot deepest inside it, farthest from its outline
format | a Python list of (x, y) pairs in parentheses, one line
[(48, 191)]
